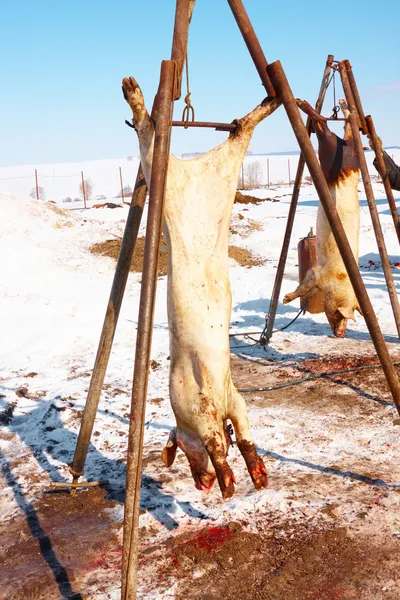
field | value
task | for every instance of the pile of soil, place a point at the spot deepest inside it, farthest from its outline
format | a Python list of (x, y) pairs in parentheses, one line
[(244, 257), (108, 205), (247, 199), (297, 564), (111, 248)]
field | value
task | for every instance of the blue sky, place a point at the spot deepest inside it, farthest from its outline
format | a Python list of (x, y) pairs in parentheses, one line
[(62, 65)]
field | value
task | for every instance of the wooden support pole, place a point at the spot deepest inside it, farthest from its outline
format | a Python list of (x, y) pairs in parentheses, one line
[(37, 185), (276, 290), (122, 185), (112, 313), (252, 43), (110, 324), (83, 190), (183, 15), (144, 332), (369, 192), (356, 96), (284, 92), (383, 173), (368, 128)]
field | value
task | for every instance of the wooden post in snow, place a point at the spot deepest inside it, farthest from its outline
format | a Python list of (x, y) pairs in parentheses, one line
[(122, 187), (83, 190), (37, 185)]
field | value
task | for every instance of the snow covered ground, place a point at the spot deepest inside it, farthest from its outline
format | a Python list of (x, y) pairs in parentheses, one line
[(53, 297)]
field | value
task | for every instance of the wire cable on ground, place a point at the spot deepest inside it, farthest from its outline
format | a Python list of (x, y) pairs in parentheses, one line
[(246, 333), (309, 377), (262, 341)]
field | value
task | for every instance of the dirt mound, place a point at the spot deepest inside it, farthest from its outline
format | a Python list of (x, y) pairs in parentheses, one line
[(295, 562), (111, 249), (244, 257), (247, 199), (107, 205)]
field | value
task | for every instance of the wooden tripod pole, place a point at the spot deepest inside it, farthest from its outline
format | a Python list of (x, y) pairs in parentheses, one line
[(270, 319), (370, 196), (145, 327), (117, 292), (110, 324), (383, 173), (281, 85), (367, 127), (169, 88)]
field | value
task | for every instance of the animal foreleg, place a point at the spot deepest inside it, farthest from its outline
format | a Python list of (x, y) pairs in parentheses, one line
[(309, 282), (142, 122)]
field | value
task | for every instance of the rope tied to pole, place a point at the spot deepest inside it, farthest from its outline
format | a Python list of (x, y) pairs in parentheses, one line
[(188, 111)]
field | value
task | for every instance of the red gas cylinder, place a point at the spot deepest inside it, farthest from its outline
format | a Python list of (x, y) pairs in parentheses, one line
[(307, 251)]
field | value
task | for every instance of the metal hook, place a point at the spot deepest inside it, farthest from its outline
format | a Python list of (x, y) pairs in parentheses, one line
[(335, 113), (187, 112)]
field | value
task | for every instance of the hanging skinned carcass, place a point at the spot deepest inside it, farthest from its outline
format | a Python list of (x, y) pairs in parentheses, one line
[(198, 205), (340, 166)]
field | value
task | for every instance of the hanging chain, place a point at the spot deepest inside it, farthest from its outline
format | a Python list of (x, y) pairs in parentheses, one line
[(188, 111)]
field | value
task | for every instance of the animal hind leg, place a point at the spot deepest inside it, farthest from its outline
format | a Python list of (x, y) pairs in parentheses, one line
[(254, 462)]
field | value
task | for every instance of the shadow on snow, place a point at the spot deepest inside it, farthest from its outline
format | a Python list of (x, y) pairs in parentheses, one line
[(44, 432)]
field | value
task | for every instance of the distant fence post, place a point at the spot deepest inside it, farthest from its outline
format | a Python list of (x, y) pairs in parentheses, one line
[(288, 164), (83, 189), (268, 172), (37, 185), (122, 187)]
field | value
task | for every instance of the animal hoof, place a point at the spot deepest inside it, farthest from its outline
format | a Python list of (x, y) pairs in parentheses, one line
[(255, 464), (228, 488), (259, 474), (204, 482), (226, 480)]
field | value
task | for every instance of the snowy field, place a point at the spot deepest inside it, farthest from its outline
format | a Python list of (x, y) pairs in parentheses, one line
[(333, 461), (62, 180)]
